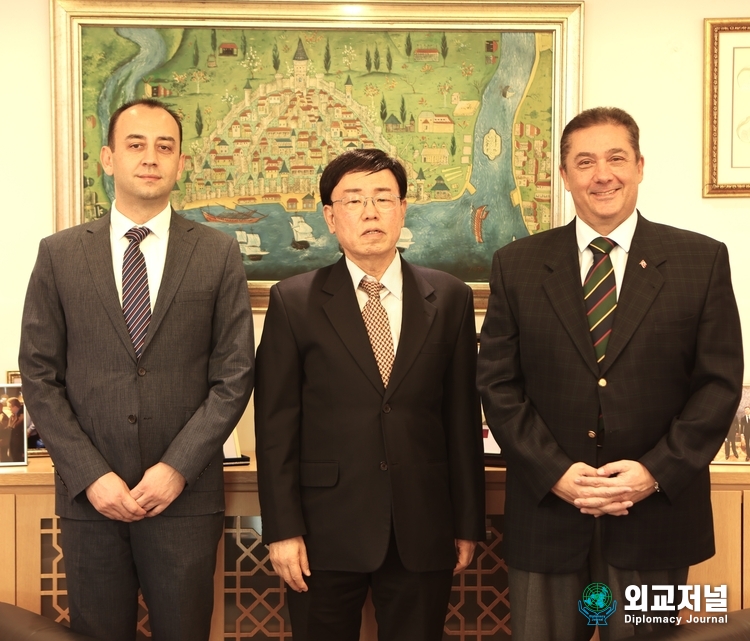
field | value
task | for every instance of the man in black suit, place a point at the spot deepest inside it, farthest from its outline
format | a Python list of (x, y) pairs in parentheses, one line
[(607, 426), (743, 429), (367, 423), (731, 440), (134, 409)]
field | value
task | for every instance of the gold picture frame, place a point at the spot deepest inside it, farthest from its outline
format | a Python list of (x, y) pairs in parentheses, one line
[(726, 113), (560, 22)]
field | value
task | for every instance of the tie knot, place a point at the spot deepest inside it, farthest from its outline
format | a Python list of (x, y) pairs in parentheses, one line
[(372, 287), (137, 234), (602, 245)]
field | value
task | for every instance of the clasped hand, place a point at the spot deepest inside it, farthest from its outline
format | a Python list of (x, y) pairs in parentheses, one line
[(611, 489), (160, 485)]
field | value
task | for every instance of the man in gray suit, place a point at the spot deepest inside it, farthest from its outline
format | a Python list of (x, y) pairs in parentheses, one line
[(137, 362)]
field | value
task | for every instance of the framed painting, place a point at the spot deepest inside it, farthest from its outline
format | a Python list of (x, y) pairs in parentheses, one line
[(726, 112), (470, 96)]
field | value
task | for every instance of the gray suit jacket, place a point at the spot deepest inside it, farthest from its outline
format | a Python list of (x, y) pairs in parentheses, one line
[(97, 408)]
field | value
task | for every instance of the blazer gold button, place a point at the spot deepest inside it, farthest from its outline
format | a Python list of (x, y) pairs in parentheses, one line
[(602, 382), (132, 419), (592, 434), (387, 409), (141, 371), (383, 466)]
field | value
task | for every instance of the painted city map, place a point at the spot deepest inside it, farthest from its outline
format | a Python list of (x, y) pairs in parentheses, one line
[(263, 111)]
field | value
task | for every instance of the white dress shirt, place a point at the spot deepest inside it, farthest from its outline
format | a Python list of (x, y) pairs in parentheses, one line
[(153, 247), (391, 296), (622, 235)]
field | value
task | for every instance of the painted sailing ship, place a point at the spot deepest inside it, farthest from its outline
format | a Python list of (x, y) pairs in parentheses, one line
[(250, 245), (303, 233), (478, 214), (405, 239), (240, 216)]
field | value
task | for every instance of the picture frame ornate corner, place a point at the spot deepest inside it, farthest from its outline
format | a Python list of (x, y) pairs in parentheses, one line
[(726, 113)]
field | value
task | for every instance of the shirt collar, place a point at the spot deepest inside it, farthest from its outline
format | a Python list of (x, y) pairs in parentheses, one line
[(392, 279), (159, 224), (622, 234)]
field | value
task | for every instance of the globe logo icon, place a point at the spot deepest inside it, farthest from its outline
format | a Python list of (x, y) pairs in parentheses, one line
[(597, 597)]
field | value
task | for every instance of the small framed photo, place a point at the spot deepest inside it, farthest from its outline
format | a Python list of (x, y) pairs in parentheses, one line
[(736, 446), (13, 377), (13, 426)]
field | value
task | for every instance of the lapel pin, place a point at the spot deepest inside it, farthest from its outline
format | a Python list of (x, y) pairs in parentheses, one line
[(643, 264)]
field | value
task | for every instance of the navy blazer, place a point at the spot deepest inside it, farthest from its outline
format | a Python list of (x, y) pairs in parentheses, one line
[(668, 389)]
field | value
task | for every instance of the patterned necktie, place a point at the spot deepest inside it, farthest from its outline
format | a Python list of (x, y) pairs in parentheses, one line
[(378, 328), (600, 295), (136, 303)]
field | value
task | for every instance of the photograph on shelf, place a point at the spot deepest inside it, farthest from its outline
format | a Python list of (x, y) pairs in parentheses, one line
[(14, 424), (735, 447), (470, 97), (13, 376)]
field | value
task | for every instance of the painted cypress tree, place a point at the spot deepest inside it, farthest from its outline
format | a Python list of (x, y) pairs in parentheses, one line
[(327, 57), (198, 120)]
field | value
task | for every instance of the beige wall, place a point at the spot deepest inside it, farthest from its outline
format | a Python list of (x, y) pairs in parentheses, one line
[(645, 56)]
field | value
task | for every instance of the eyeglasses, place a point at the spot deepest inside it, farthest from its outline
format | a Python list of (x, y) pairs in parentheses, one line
[(383, 203)]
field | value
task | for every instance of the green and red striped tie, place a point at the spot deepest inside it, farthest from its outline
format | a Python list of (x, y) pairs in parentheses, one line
[(600, 295)]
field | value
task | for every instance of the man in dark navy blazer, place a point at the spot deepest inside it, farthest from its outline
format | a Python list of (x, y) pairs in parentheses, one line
[(369, 479), (607, 459)]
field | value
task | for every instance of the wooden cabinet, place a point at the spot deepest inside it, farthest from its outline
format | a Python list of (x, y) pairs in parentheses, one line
[(249, 597)]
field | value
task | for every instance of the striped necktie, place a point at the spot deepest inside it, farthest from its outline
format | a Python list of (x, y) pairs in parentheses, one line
[(600, 295), (378, 328), (136, 303)]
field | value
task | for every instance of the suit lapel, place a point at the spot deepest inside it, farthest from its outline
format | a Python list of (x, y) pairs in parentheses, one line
[(417, 317), (179, 249), (342, 310), (640, 286), (565, 293), (98, 250)]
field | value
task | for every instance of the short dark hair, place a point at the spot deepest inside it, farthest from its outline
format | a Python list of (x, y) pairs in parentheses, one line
[(147, 102), (600, 116), (369, 161)]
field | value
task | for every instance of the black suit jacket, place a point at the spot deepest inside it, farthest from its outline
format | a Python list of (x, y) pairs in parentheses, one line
[(340, 458), (668, 389), (99, 408)]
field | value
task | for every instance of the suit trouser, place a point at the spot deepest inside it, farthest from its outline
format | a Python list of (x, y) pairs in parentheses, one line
[(545, 606), (409, 606), (172, 560)]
